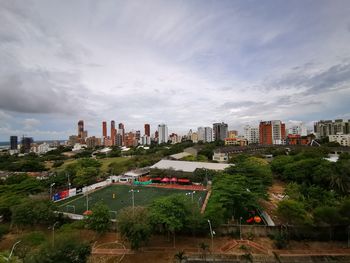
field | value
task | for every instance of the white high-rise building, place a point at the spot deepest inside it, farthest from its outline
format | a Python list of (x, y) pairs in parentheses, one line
[(299, 129), (201, 134), (162, 133), (208, 134), (205, 134), (251, 134)]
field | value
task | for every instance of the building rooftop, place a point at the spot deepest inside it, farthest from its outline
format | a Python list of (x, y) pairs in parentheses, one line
[(189, 166)]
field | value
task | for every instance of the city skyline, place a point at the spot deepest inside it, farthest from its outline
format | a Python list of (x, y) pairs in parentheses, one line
[(183, 63)]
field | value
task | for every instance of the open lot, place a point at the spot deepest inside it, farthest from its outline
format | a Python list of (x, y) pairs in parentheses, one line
[(117, 197)]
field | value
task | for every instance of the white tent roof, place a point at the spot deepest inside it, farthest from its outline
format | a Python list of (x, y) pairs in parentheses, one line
[(189, 166)]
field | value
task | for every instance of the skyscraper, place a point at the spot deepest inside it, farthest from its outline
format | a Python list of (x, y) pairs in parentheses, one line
[(272, 132), (147, 129), (121, 131), (220, 131), (13, 143), (201, 134), (113, 132), (208, 134), (104, 129), (26, 144), (81, 129), (162, 133)]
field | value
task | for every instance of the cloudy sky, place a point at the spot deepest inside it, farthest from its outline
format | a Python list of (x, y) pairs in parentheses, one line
[(183, 63)]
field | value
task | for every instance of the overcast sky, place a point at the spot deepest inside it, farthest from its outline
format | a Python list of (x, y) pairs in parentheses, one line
[(183, 63)]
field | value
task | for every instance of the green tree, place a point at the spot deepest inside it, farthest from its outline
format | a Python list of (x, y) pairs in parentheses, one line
[(134, 224), (99, 220), (68, 249), (171, 213), (293, 212)]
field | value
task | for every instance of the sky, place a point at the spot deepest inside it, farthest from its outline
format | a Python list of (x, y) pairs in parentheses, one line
[(184, 63)]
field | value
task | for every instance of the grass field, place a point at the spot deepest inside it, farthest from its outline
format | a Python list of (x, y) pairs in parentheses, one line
[(123, 197)]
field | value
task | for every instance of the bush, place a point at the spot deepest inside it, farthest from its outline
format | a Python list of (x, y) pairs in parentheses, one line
[(34, 238), (4, 229)]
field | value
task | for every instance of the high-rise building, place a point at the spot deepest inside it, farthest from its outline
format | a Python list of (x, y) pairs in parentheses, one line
[(147, 130), (220, 131), (208, 134), (145, 140), (92, 142), (104, 129), (121, 131), (81, 129), (329, 127), (26, 144), (162, 133), (298, 129), (272, 132), (13, 142), (194, 137), (251, 134), (119, 140), (201, 134), (113, 132), (130, 139), (138, 135)]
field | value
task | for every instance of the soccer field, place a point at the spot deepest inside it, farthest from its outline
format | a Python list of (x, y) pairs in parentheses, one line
[(117, 197)]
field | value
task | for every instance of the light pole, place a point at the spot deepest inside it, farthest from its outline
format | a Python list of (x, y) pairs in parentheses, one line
[(115, 218), (68, 178), (87, 200), (212, 235), (13, 248), (53, 234), (240, 228), (132, 191), (191, 193), (51, 185)]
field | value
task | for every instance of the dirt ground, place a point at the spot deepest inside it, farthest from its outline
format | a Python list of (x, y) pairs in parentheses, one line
[(161, 248), (275, 192)]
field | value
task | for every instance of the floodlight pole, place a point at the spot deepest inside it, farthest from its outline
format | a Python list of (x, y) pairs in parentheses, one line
[(240, 228), (87, 200), (212, 236), (51, 185), (53, 234), (133, 200)]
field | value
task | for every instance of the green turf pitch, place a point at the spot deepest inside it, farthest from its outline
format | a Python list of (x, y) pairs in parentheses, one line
[(123, 197)]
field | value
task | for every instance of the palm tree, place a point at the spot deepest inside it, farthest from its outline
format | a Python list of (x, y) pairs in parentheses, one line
[(180, 256)]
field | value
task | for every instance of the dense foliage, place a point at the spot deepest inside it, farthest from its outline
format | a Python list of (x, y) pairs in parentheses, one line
[(134, 224), (317, 189), (237, 191)]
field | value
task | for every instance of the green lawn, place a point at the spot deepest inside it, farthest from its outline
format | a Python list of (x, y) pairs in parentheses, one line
[(123, 197)]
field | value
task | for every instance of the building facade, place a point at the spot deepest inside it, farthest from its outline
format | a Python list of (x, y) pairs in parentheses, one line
[(104, 129), (162, 133), (272, 132), (113, 132), (251, 134), (342, 139), (13, 142), (324, 128), (220, 131), (147, 130)]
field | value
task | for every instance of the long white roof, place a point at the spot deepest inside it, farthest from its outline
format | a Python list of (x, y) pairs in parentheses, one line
[(189, 166)]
